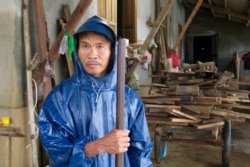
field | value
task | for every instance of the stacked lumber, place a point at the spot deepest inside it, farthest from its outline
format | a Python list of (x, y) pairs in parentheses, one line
[(200, 98)]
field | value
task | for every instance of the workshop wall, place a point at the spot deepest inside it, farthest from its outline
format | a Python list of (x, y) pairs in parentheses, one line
[(232, 38)]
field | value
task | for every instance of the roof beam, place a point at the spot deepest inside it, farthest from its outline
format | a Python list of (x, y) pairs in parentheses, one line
[(212, 11), (225, 6), (221, 10)]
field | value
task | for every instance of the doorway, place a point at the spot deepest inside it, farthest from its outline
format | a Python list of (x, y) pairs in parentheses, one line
[(127, 19), (206, 49)]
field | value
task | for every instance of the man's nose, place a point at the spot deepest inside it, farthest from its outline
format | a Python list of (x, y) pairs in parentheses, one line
[(93, 53)]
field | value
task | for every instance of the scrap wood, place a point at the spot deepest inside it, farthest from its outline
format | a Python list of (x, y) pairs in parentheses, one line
[(197, 110), (168, 107), (158, 101), (240, 95), (235, 100), (229, 114), (184, 120), (213, 93), (208, 100), (178, 112), (210, 125), (212, 120), (187, 90), (164, 122), (185, 82)]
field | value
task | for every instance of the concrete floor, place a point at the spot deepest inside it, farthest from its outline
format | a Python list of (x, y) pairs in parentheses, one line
[(181, 154)]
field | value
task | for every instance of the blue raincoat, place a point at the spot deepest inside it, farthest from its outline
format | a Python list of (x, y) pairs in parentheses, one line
[(83, 108)]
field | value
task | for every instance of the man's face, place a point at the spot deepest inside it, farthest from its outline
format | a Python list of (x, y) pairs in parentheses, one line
[(94, 52)]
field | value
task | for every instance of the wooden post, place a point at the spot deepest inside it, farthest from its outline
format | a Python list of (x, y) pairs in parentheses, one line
[(157, 25), (120, 93), (42, 42), (27, 45)]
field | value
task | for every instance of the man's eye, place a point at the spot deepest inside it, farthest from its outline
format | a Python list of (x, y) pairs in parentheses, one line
[(84, 46), (100, 46)]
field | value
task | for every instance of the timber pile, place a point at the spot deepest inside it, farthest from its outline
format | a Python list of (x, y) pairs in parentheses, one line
[(202, 98)]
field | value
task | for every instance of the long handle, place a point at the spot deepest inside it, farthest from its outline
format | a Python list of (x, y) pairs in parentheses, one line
[(120, 93)]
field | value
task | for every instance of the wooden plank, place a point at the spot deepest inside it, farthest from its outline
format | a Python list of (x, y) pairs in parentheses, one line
[(158, 101), (200, 111), (185, 82), (210, 125), (184, 120), (156, 25), (161, 106), (187, 90), (184, 114), (229, 114), (164, 122), (212, 120), (236, 100), (208, 100)]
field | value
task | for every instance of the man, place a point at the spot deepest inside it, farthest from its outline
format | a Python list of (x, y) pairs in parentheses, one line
[(78, 118)]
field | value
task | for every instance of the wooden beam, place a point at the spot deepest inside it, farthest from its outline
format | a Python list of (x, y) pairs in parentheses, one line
[(42, 45), (162, 34), (156, 26), (210, 125), (221, 10), (76, 16), (180, 37), (212, 11), (67, 14)]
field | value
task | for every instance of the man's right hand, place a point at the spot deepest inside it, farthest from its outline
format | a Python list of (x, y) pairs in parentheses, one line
[(115, 142)]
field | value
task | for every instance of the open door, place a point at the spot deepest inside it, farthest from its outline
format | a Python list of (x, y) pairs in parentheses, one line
[(206, 48)]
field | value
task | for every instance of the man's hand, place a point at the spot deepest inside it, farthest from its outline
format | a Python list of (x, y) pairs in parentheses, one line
[(115, 142)]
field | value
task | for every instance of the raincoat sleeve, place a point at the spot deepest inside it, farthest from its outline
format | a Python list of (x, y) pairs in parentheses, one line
[(140, 146), (58, 137)]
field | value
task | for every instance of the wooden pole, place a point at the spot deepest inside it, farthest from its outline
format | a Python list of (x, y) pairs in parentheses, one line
[(42, 42), (27, 45), (120, 93), (190, 18)]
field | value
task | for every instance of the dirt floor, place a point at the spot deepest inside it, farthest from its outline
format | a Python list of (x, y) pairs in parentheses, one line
[(180, 154)]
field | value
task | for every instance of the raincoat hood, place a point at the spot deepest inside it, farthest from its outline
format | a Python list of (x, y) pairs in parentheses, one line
[(97, 24)]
